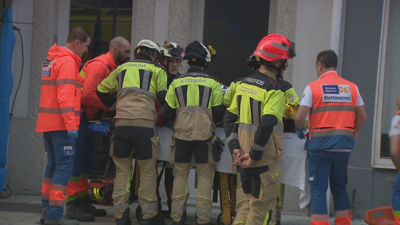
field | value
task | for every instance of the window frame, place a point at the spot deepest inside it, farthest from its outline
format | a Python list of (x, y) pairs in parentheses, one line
[(377, 161)]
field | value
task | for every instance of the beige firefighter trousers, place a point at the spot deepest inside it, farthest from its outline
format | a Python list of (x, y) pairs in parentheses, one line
[(255, 211), (205, 173), (147, 167)]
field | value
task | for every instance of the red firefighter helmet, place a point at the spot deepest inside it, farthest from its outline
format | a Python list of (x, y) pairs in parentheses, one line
[(275, 46)]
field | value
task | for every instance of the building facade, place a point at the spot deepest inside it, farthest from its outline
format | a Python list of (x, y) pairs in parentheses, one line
[(364, 38)]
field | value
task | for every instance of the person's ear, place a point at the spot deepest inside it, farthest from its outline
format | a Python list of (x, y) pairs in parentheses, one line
[(278, 63), (318, 66)]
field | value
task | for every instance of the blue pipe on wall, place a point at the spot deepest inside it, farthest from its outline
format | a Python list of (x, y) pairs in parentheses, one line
[(7, 41)]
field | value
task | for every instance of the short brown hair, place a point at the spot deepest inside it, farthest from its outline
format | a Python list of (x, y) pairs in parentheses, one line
[(78, 33)]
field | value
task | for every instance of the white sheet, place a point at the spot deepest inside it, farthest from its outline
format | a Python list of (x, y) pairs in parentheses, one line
[(294, 167)]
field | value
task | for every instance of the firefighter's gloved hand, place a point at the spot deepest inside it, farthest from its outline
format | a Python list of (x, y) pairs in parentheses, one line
[(218, 147), (73, 133)]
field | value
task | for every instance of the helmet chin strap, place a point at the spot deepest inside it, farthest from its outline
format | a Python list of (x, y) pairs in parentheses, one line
[(277, 68), (282, 67)]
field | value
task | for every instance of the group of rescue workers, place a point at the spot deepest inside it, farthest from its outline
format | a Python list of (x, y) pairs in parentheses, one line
[(254, 114)]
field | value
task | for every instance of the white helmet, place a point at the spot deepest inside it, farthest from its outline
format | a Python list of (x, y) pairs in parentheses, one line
[(210, 52), (148, 44), (172, 50)]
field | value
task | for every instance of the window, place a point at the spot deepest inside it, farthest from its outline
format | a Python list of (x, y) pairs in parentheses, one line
[(234, 29), (388, 80), (103, 19)]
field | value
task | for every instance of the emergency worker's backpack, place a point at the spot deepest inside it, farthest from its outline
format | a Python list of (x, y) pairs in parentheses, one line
[(101, 190)]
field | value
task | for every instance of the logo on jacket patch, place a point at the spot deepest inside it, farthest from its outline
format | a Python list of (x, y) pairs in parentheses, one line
[(46, 72), (68, 150), (291, 98), (336, 93)]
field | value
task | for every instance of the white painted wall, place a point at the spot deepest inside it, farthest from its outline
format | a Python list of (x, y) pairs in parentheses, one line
[(312, 35)]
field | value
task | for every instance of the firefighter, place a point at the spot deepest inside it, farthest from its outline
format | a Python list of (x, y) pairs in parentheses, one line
[(291, 106), (228, 96), (58, 119), (172, 57), (254, 129), (394, 135), (195, 99), (139, 84), (330, 141), (94, 71)]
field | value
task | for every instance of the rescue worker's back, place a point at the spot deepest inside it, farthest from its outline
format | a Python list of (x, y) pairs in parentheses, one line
[(258, 97), (142, 86), (138, 84), (195, 99), (254, 129), (193, 95)]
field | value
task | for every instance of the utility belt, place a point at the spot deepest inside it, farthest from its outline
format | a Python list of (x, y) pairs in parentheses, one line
[(253, 170)]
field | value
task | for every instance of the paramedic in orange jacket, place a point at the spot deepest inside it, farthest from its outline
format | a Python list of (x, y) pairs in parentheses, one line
[(58, 119), (336, 114), (394, 135), (94, 71)]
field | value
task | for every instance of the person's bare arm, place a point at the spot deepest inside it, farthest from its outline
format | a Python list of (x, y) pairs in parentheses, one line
[(395, 150), (361, 117), (301, 115)]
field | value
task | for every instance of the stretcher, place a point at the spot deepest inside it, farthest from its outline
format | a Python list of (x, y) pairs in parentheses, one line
[(224, 179)]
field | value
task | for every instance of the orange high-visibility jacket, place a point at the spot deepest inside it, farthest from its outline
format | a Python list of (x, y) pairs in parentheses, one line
[(94, 71), (60, 96), (332, 115)]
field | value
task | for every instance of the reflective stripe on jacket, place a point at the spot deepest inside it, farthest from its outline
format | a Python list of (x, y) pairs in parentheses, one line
[(256, 96), (60, 96), (332, 115), (139, 84), (193, 95)]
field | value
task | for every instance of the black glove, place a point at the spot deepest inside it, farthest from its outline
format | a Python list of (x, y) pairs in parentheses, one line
[(218, 147), (110, 128)]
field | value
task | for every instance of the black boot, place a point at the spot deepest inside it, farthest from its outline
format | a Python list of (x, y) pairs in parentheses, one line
[(75, 212), (43, 215), (89, 208), (184, 216), (124, 220), (157, 220)]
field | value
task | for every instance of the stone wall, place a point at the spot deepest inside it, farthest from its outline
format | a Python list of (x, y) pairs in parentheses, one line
[(27, 158)]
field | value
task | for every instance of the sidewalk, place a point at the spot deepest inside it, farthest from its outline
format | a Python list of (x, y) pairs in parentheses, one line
[(25, 210)]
